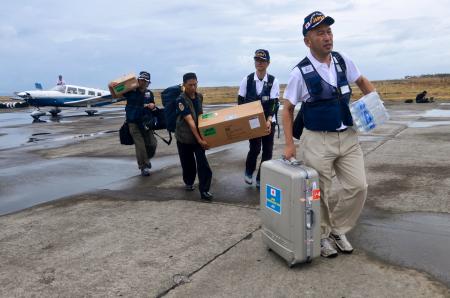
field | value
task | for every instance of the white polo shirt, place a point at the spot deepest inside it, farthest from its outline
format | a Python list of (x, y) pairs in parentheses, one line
[(274, 92), (296, 90)]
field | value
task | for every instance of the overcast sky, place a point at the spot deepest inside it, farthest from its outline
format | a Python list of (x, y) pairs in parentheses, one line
[(92, 42)]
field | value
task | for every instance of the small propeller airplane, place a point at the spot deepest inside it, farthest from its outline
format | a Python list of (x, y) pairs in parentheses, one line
[(65, 96)]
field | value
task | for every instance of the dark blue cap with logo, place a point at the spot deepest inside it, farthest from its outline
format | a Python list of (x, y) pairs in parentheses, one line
[(262, 54), (144, 75), (314, 19)]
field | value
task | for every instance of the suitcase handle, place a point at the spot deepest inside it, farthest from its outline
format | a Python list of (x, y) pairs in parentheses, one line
[(292, 161), (310, 223)]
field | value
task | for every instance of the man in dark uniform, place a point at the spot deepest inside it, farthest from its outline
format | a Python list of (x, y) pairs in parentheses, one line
[(144, 140), (264, 87), (191, 146), (421, 97)]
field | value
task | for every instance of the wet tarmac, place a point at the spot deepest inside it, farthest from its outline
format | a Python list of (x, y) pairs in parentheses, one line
[(418, 240)]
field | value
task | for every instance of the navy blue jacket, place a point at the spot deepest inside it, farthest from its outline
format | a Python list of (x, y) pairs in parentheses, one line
[(135, 104)]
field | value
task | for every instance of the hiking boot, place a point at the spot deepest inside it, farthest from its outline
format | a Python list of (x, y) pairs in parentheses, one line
[(326, 248), (206, 196), (189, 187), (145, 172), (342, 243), (248, 179)]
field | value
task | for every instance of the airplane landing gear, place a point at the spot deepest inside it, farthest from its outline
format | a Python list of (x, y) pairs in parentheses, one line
[(36, 114), (55, 111), (91, 112)]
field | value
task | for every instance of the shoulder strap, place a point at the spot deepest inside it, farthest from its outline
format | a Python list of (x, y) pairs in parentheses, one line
[(341, 69), (250, 80), (270, 82), (339, 60), (311, 76)]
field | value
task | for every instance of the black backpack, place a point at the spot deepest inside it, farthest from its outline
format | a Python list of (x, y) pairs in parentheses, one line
[(169, 97), (169, 100)]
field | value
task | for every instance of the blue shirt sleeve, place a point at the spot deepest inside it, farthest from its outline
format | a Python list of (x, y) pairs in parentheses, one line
[(182, 108)]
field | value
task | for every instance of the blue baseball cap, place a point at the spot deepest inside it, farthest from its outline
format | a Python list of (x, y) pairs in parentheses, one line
[(314, 19), (262, 54)]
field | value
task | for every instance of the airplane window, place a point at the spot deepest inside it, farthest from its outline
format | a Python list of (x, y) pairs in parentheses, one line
[(72, 90), (99, 94), (81, 91), (91, 93)]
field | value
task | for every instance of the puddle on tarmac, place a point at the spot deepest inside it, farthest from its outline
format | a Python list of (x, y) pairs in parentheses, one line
[(427, 124), (371, 138), (14, 137), (437, 113), (46, 180), (418, 240)]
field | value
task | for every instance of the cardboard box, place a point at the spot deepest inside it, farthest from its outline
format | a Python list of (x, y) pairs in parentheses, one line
[(233, 124), (123, 85)]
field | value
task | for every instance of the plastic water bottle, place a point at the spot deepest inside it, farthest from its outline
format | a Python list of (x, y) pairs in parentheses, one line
[(368, 112)]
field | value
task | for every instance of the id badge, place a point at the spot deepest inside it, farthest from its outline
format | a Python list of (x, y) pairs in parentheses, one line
[(345, 89), (265, 98)]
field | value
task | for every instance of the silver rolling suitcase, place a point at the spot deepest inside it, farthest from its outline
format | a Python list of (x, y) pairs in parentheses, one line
[(290, 210)]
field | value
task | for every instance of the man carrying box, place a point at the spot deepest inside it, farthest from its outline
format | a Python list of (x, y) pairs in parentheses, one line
[(190, 144), (144, 141), (264, 87)]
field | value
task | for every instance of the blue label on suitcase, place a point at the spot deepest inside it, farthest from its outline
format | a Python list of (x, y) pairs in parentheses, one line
[(273, 198)]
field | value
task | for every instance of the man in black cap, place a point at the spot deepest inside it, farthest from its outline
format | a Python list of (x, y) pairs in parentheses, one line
[(263, 87), (144, 141), (321, 81), (190, 144)]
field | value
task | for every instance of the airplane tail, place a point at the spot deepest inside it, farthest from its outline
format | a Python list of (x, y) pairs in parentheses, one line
[(38, 86)]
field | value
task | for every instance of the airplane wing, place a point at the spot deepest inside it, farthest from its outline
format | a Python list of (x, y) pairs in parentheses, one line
[(97, 100)]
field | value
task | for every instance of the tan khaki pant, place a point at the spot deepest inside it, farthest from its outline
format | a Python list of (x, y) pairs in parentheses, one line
[(145, 144), (341, 152)]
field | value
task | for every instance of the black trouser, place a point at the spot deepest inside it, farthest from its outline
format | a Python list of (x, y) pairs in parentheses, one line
[(193, 160), (255, 149)]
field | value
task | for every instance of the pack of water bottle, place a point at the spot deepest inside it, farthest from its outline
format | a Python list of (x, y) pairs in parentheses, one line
[(368, 112)]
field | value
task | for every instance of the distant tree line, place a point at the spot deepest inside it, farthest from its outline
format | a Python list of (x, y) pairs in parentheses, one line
[(436, 75)]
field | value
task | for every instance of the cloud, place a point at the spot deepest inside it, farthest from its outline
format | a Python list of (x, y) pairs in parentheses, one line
[(91, 42)]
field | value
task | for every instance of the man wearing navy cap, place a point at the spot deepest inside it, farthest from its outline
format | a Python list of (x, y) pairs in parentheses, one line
[(321, 82), (144, 141), (260, 86)]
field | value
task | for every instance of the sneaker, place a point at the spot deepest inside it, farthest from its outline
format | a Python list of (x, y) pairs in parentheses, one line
[(326, 248), (149, 165), (257, 184), (145, 172), (342, 243), (189, 187), (248, 179), (206, 196)]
